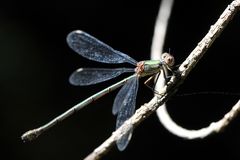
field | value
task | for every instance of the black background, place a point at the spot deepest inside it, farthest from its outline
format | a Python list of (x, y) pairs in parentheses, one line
[(35, 63)]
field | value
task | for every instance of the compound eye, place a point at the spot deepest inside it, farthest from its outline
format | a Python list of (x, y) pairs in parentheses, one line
[(164, 56)]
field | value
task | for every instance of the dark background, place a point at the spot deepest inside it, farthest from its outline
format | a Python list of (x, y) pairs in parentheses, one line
[(35, 63)]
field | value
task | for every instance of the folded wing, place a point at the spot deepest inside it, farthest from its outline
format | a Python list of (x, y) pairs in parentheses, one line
[(124, 107)]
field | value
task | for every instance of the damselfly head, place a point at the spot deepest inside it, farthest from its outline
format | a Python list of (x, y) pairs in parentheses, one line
[(168, 59)]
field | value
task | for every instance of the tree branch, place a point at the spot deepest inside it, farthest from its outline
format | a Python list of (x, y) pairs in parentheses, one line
[(162, 112), (171, 87)]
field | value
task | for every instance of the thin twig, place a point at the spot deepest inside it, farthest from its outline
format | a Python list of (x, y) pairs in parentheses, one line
[(158, 40), (162, 112), (147, 109), (214, 127), (160, 28)]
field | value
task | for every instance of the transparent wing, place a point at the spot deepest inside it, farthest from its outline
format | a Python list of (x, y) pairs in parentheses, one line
[(90, 76), (126, 101), (93, 49)]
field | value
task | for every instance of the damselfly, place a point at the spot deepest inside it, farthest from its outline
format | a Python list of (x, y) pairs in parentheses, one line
[(124, 103)]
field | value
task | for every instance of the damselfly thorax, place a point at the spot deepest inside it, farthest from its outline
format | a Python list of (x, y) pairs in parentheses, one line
[(151, 67)]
